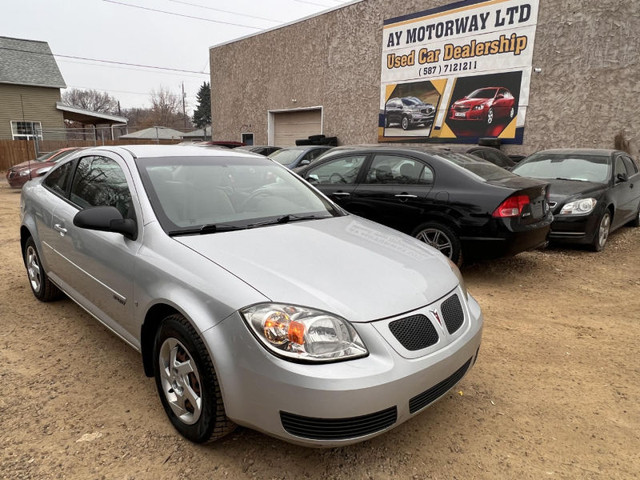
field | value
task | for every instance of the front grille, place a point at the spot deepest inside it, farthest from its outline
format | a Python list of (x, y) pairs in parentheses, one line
[(429, 396), (452, 313), (462, 109), (415, 332), (338, 428)]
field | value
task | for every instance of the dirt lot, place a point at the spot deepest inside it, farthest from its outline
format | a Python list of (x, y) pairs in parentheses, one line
[(555, 393)]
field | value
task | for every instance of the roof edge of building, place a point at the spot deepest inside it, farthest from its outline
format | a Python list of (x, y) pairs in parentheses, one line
[(288, 24)]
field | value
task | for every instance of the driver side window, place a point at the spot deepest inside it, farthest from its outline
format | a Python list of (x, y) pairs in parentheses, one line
[(100, 181)]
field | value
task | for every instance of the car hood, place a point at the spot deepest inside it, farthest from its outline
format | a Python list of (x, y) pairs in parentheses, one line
[(561, 190), (471, 102), (346, 265), (31, 165)]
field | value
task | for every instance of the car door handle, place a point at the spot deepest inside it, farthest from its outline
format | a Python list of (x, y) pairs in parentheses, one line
[(405, 195), (59, 228), (341, 194)]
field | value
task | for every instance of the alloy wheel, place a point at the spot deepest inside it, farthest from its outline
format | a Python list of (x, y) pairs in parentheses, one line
[(603, 229), (437, 239), (33, 269), (180, 381)]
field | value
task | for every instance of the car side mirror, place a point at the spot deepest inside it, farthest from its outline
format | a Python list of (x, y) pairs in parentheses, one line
[(304, 162), (313, 179), (622, 177), (499, 96), (106, 219)]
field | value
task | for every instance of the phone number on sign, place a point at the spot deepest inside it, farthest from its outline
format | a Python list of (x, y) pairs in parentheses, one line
[(447, 68)]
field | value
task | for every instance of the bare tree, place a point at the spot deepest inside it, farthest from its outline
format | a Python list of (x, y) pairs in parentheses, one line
[(165, 106), (92, 100)]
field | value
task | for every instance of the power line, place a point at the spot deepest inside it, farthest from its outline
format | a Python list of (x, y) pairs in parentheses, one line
[(226, 11), (113, 62), (182, 15)]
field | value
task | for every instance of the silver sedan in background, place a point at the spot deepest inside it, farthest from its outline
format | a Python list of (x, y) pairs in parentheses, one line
[(253, 299)]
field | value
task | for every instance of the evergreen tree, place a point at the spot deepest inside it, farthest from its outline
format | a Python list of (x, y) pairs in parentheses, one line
[(202, 113)]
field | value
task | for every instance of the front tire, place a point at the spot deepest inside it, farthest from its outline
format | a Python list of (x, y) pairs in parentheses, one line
[(405, 123), (442, 238), (187, 383), (41, 286), (490, 116), (512, 112), (602, 233)]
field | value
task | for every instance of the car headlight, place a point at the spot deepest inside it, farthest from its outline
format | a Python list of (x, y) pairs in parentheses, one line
[(479, 107), (24, 173), (301, 333), (583, 206), (456, 271)]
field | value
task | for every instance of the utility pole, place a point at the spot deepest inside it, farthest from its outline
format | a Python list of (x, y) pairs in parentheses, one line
[(184, 109)]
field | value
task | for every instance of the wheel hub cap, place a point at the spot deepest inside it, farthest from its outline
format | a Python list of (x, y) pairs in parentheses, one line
[(180, 381)]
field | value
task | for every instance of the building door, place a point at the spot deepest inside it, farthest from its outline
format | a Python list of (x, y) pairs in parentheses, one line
[(291, 126)]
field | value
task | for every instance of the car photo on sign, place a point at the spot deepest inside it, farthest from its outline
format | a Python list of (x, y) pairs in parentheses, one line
[(253, 299), (483, 105), (410, 110)]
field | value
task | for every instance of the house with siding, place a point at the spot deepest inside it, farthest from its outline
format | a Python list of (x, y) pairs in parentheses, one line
[(30, 84), (30, 101)]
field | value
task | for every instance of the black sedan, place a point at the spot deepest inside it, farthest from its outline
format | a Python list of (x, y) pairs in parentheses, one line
[(456, 202), (591, 193)]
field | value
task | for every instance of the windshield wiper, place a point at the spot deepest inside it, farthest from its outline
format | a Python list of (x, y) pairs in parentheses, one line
[(204, 229), (571, 179), (286, 219)]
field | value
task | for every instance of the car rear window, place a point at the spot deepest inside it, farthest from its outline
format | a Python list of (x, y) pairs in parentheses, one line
[(479, 167)]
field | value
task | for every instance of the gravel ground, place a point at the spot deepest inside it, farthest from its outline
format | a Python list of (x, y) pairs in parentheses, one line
[(555, 393)]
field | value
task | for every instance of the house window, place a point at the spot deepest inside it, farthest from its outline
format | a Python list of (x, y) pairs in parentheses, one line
[(247, 138), (26, 130)]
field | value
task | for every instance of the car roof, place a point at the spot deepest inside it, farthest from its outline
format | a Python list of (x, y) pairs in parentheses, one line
[(580, 151), (149, 151)]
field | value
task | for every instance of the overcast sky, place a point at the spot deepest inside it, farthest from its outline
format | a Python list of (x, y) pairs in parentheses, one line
[(135, 32)]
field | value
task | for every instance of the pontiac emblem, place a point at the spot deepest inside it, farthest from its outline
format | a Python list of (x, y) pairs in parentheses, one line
[(435, 314)]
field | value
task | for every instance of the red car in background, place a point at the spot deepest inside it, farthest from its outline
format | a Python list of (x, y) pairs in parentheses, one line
[(484, 104), (19, 174)]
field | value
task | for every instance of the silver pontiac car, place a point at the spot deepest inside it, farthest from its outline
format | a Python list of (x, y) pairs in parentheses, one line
[(253, 299)]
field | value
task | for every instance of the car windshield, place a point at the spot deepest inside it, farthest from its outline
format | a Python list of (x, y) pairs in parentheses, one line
[(566, 166), (208, 194), (482, 93), (479, 167), (411, 101), (286, 157)]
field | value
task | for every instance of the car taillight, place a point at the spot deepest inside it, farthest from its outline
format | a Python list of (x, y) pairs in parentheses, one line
[(512, 206)]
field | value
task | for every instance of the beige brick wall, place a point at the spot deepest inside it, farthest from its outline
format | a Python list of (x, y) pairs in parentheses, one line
[(31, 104), (587, 92)]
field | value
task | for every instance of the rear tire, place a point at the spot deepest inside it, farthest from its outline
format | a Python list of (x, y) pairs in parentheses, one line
[(602, 233), (43, 289), (187, 383), (442, 238)]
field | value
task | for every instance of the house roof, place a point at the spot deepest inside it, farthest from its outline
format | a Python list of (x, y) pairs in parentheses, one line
[(28, 62), (160, 133), (87, 116), (199, 133)]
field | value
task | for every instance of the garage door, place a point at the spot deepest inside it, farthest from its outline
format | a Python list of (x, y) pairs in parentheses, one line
[(291, 126)]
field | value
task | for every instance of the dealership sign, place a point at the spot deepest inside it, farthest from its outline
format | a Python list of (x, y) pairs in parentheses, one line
[(458, 73)]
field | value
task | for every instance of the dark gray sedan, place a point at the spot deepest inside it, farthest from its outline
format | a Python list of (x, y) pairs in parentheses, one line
[(591, 192)]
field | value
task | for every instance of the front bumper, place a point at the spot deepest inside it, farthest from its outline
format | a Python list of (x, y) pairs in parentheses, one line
[(16, 180), (422, 118), (469, 114), (575, 229), (335, 404)]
